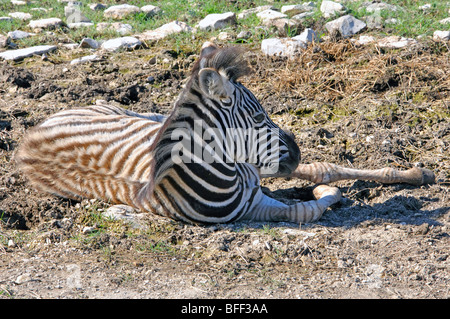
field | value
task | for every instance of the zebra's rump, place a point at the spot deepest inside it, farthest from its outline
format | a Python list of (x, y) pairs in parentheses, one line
[(97, 151)]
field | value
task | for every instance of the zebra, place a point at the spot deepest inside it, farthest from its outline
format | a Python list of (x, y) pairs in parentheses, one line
[(120, 156)]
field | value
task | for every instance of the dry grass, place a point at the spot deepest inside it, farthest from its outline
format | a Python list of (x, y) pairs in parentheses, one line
[(334, 71)]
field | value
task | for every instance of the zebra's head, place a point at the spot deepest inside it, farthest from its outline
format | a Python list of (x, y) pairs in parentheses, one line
[(250, 135)]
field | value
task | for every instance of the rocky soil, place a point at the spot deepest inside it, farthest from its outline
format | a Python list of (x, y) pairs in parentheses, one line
[(355, 105)]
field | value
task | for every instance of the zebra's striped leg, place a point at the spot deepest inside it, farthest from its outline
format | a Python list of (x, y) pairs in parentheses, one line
[(326, 173), (271, 210)]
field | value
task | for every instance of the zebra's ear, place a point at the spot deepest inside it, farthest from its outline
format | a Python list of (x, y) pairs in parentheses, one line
[(212, 83), (207, 48)]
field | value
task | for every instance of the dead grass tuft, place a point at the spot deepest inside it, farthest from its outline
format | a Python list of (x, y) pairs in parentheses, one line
[(332, 71)]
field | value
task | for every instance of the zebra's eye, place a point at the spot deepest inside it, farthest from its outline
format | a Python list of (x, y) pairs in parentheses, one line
[(259, 117), (226, 100)]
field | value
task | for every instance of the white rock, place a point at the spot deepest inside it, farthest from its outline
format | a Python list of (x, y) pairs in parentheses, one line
[(346, 25), (308, 35), (246, 13), (165, 30), (121, 28), (270, 15), (117, 44), (11, 243), (89, 43), (77, 25), (376, 7), (6, 19), (365, 39), (120, 11), (331, 8), (49, 23), (425, 7), (217, 21), (396, 42), (391, 21), (27, 52), (151, 10), (224, 36), (23, 278), (441, 35), (445, 21), (19, 2), (39, 9), (70, 46), (302, 16), (88, 58), (294, 9), (88, 230), (244, 35), (127, 214), (20, 15), (18, 34), (282, 47)]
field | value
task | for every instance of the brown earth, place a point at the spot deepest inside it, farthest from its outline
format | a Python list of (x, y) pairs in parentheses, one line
[(358, 107)]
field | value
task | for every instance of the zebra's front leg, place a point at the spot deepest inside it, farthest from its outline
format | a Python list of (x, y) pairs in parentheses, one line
[(326, 173), (268, 209)]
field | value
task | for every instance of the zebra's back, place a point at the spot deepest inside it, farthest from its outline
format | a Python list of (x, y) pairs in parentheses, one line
[(93, 152)]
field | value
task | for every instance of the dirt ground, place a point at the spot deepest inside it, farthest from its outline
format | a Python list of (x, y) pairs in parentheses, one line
[(353, 106)]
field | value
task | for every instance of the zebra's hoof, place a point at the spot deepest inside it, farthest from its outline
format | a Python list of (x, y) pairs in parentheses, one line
[(420, 176)]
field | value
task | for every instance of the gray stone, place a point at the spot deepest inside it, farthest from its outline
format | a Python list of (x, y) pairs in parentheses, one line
[(441, 35), (216, 21), (89, 43), (9, 19), (331, 8), (120, 11), (445, 21), (17, 34), (117, 44), (165, 30), (20, 54), (84, 59), (287, 47), (50, 23), (346, 25)]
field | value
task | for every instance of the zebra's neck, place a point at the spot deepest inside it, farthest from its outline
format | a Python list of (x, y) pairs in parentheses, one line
[(191, 140)]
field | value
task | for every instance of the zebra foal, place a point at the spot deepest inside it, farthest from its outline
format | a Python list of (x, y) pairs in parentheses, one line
[(201, 164)]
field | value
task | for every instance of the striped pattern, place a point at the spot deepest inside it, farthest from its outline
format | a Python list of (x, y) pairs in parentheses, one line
[(161, 165), (120, 156)]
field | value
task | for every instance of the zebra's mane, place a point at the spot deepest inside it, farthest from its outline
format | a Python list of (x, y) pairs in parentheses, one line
[(227, 61)]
